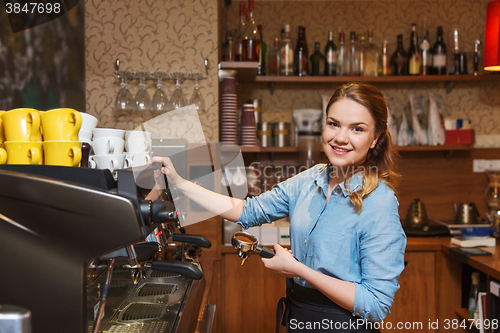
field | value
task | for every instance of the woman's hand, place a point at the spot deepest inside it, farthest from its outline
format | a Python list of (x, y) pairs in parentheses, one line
[(283, 262), (168, 169)]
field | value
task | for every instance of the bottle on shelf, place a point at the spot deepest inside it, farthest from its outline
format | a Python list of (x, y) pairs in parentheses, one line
[(456, 52), (330, 56), (474, 291), (352, 57), (286, 53), (385, 60), (240, 33), (317, 61), (476, 57), (362, 52), (371, 56), (262, 48), (439, 54), (342, 56), (301, 53), (425, 52), (230, 52), (399, 59), (273, 63), (250, 38), (414, 60)]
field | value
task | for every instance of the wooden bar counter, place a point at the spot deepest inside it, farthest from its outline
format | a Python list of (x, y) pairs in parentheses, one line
[(429, 297)]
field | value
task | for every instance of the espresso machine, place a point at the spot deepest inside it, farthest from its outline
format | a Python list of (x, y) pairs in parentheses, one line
[(75, 253)]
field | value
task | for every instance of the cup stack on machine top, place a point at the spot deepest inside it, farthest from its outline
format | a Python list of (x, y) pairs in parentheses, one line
[(49, 137)]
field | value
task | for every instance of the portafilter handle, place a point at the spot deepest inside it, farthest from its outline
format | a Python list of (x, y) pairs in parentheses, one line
[(245, 243)]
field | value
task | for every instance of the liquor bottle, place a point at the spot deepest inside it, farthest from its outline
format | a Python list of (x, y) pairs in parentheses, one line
[(414, 60), (399, 59), (250, 38), (230, 51), (352, 57), (385, 60), (371, 56), (456, 52), (473, 294), (363, 49), (425, 52), (240, 33), (273, 63), (439, 54), (476, 57), (330, 56), (301, 53), (317, 61), (286, 53), (342, 56), (262, 48)]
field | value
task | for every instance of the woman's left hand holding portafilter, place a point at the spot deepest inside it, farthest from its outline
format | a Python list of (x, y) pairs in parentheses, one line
[(283, 262)]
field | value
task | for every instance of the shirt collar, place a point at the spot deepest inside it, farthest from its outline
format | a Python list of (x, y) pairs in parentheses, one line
[(321, 178)]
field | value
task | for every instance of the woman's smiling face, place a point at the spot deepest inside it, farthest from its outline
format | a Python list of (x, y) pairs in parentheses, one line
[(349, 133)]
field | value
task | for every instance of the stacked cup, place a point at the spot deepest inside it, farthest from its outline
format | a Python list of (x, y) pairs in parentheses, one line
[(21, 132), (3, 152), (229, 112), (89, 123), (108, 145), (139, 147), (60, 129), (248, 132)]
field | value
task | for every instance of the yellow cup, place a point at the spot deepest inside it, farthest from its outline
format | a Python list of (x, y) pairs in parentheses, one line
[(23, 152), (21, 125), (3, 155), (2, 137), (65, 153), (61, 125)]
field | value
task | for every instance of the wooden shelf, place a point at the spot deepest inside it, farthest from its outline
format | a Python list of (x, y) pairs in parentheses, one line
[(255, 149), (377, 79), (435, 148), (243, 71)]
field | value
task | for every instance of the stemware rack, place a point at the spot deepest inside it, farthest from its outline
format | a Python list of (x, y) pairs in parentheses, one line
[(154, 76)]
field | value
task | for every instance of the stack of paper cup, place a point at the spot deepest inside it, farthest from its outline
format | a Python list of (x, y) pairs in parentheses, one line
[(229, 112), (108, 149), (139, 147), (248, 130)]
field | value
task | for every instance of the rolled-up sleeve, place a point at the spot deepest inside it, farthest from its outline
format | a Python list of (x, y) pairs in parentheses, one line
[(381, 250), (267, 207)]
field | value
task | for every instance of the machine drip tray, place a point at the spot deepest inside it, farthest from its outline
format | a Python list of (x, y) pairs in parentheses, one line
[(154, 327), (142, 311), (156, 289)]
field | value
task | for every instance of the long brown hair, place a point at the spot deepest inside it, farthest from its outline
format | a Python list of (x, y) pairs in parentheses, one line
[(383, 156)]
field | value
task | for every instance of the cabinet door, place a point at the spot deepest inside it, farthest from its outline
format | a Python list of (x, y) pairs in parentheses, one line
[(251, 293), (415, 302)]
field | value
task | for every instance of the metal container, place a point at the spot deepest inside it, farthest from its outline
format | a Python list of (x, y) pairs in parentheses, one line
[(265, 134), (257, 105), (282, 133), (14, 319)]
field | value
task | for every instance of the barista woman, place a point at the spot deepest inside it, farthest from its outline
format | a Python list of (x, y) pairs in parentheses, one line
[(347, 241)]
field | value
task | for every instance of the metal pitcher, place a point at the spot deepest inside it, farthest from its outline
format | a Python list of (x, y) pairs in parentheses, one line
[(465, 213)]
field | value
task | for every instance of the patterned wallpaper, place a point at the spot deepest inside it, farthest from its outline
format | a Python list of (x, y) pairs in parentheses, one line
[(149, 35), (388, 18)]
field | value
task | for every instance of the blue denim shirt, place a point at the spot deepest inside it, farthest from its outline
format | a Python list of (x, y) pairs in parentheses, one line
[(366, 249)]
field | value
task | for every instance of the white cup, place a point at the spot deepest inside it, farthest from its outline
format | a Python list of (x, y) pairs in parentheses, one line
[(108, 146), (89, 122), (138, 135), (85, 136), (111, 162), (108, 132), (138, 146), (139, 159)]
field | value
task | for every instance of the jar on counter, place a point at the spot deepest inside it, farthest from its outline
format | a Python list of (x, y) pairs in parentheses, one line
[(282, 134), (265, 134), (309, 148)]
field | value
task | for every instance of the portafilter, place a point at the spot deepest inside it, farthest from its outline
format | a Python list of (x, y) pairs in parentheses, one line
[(245, 243)]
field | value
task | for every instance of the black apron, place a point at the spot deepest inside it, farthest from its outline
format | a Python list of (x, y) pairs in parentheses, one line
[(307, 310)]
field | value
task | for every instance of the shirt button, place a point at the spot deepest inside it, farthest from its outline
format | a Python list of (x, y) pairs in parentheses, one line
[(305, 241)]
